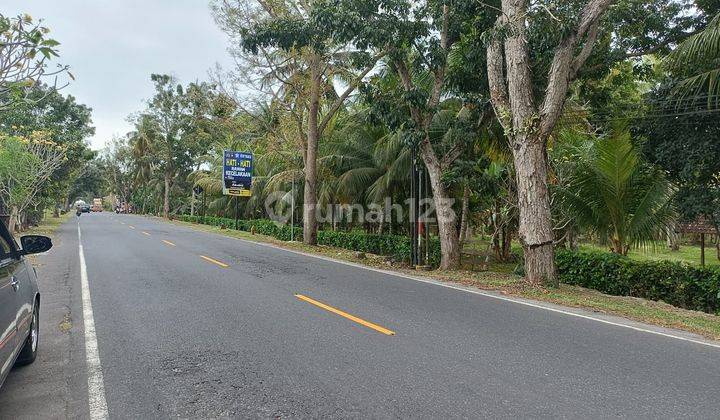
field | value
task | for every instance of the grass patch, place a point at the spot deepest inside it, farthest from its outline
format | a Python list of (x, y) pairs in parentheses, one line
[(48, 225), (642, 310), (659, 251)]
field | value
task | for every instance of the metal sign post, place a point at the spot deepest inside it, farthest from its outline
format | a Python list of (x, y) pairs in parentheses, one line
[(236, 212)]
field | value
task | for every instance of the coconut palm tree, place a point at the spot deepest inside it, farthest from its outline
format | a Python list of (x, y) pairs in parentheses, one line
[(698, 59), (610, 191)]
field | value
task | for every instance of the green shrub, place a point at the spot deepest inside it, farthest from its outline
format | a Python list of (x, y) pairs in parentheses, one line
[(397, 246), (675, 283)]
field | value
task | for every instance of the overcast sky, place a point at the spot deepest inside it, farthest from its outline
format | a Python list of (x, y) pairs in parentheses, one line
[(113, 46)]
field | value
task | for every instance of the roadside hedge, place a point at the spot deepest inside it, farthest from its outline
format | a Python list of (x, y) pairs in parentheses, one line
[(396, 246), (678, 284)]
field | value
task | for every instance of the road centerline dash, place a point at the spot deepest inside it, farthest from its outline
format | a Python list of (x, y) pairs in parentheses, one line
[(168, 243), (214, 261), (343, 314), (131, 227), (145, 233)]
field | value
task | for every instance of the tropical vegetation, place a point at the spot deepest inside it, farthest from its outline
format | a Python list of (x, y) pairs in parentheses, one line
[(542, 124)]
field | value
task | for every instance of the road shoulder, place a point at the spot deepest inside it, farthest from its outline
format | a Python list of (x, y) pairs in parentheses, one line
[(55, 385)]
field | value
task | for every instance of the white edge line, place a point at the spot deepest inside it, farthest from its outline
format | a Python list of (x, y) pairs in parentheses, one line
[(479, 292), (96, 387)]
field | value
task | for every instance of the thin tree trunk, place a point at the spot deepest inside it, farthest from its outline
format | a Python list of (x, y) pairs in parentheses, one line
[(166, 196), (465, 215), (672, 237), (192, 203), (310, 194), (572, 238), (506, 244)]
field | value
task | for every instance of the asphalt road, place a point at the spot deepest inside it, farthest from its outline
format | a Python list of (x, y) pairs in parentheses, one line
[(226, 336)]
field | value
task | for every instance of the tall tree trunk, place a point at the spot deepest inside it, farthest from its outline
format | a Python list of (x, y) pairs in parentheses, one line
[(192, 203), (310, 196), (166, 196), (535, 232), (446, 218)]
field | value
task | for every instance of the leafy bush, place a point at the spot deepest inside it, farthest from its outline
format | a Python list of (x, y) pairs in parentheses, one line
[(397, 246), (675, 283)]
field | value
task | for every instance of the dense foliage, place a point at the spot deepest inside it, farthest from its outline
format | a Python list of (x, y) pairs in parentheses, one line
[(507, 123), (42, 132), (678, 284)]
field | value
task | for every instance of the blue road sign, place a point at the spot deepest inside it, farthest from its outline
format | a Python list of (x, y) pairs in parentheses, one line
[(237, 173)]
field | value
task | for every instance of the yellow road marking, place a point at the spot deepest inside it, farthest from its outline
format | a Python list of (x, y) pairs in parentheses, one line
[(131, 227), (145, 233), (221, 264), (168, 242), (346, 315)]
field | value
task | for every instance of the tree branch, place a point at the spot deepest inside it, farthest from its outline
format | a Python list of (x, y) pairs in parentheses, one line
[(496, 77), (351, 87), (439, 72), (406, 80), (565, 65)]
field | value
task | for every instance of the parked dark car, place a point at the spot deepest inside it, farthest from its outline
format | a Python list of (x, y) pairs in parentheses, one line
[(19, 300)]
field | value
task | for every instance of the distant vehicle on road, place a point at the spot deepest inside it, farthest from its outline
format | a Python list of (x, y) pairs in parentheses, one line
[(97, 204), (82, 207), (19, 300)]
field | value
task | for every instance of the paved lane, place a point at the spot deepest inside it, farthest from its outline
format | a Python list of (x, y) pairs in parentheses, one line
[(193, 324)]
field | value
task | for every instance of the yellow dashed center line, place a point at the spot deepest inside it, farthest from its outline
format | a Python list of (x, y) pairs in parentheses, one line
[(214, 261), (145, 233), (346, 315), (168, 242)]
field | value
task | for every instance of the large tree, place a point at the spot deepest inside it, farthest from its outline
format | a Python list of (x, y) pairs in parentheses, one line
[(299, 53), (168, 130), (26, 165), (64, 122), (534, 53), (683, 137)]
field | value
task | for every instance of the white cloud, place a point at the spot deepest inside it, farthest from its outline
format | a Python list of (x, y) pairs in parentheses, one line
[(114, 46)]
